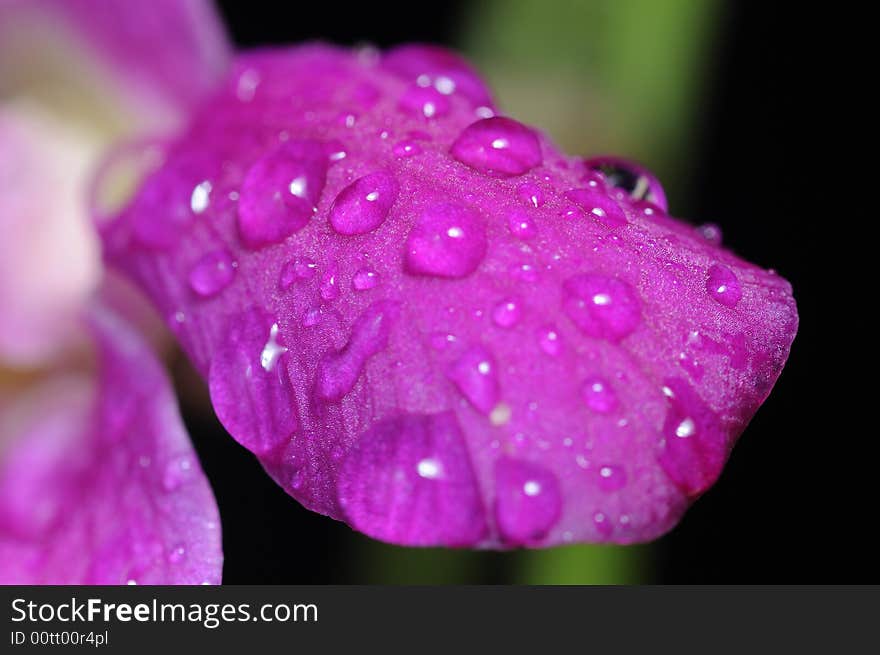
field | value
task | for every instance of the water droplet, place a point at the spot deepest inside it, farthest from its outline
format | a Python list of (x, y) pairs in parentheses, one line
[(212, 273), (329, 287), (474, 375), (611, 477), (429, 468), (177, 472), (598, 206), (425, 101), (362, 206), (528, 501), (364, 279), (177, 553), (440, 340), (250, 388), (200, 198), (301, 268), (447, 72), (312, 317), (280, 193), (521, 224), (447, 241), (549, 340), (500, 414), (507, 313), (498, 146), (723, 285), (603, 307), (271, 350), (633, 179), (531, 194), (694, 444), (599, 395), (711, 233), (169, 200), (407, 148), (339, 370), (409, 480), (603, 525)]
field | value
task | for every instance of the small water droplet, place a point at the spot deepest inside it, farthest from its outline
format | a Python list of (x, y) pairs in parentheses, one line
[(426, 102), (177, 553), (549, 340), (212, 273), (507, 313), (521, 225), (329, 287), (598, 206), (271, 350), (364, 279), (407, 148), (603, 307), (301, 268), (723, 285), (528, 501), (598, 395), (498, 146), (201, 197), (474, 375), (530, 193), (339, 370), (447, 241), (711, 233), (311, 317), (363, 205), (430, 468), (611, 477)]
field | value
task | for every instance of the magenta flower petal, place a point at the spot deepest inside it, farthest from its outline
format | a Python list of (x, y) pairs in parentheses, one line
[(163, 55), (99, 484), (449, 332)]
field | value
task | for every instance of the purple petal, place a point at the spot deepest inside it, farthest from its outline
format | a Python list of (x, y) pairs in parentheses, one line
[(164, 55), (99, 483), (576, 379)]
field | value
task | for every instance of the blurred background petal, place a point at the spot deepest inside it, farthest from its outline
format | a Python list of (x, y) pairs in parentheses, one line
[(99, 483)]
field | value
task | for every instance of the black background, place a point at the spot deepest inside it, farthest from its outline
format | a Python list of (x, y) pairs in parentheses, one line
[(796, 502)]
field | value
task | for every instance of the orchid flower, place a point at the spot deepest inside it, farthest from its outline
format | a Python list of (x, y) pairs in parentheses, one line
[(98, 480), (428, 322), (422, 317)]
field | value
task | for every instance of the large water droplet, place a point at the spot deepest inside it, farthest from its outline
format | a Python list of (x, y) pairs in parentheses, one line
[(632, 178), (598, 395), (409, 480), (339, 370), (528, 502), (280, 192), (363, 205), (723, 285), (498, 146), (694, 443), (475, 376), (212, 273), (599, 206), (601, 306), (249, 383), (447, 241)]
